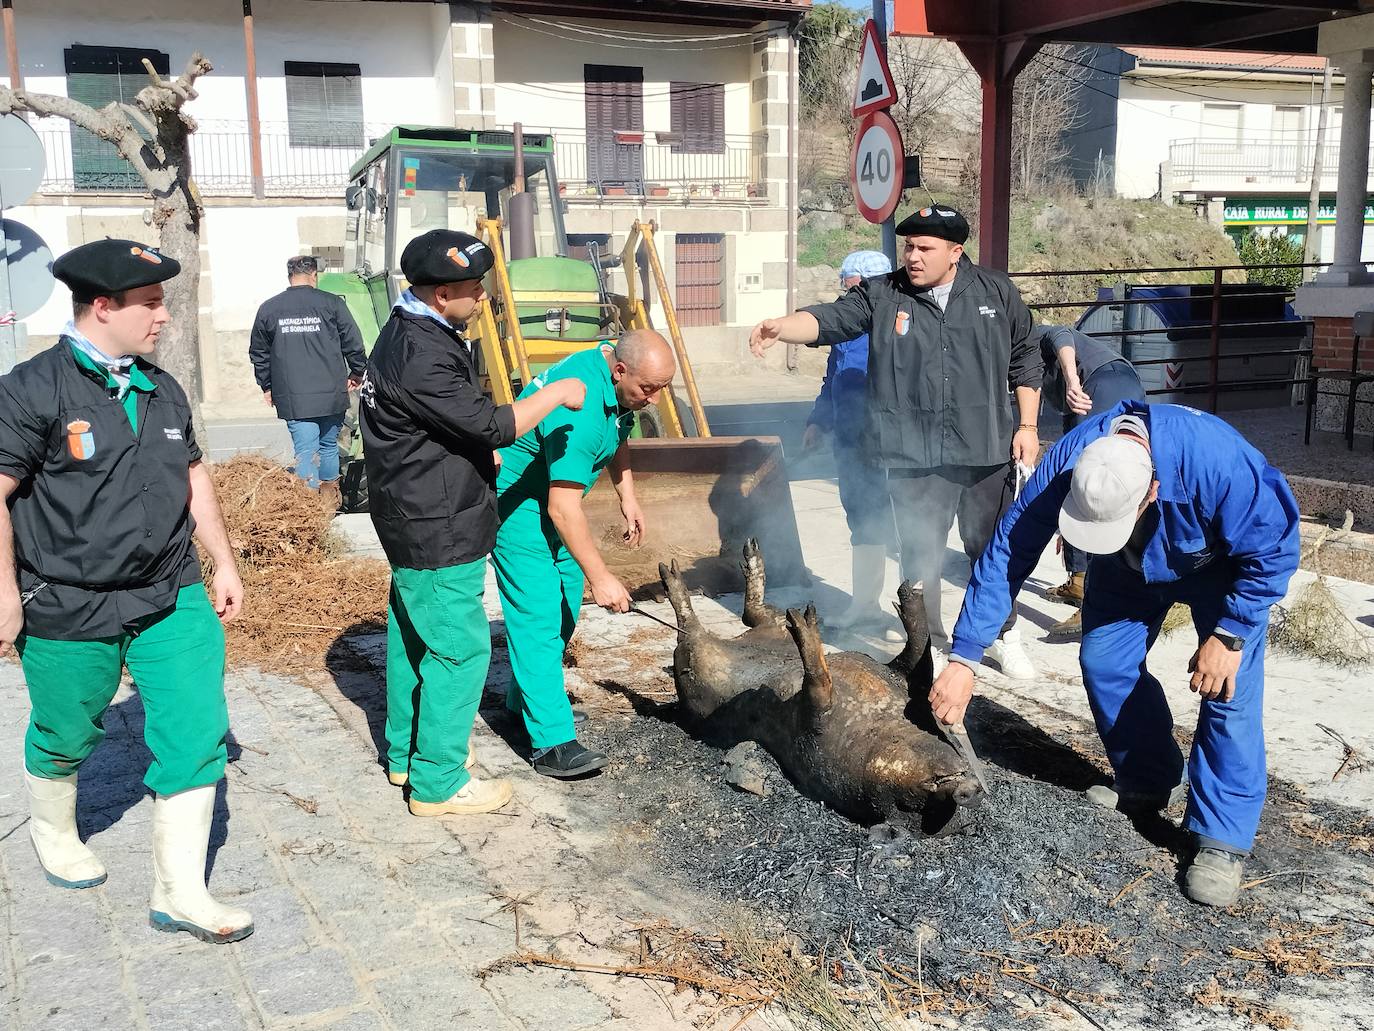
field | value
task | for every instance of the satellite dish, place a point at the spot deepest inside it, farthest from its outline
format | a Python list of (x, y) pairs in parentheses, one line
[(30, 269), (22, 161)]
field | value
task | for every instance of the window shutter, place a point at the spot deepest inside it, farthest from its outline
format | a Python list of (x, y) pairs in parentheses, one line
[(324, 104), (97, 76), (697, 112)]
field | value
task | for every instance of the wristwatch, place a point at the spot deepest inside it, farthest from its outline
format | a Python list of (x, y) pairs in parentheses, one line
[(1231, 641)]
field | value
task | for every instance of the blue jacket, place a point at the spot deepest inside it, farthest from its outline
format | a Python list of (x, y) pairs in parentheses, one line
[(1218, 499), (840, 405)]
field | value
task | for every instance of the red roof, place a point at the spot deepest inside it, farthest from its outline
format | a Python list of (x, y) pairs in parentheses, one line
[(1230, 59)]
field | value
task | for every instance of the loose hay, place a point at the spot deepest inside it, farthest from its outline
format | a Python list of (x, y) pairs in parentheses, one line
[(1315, 625), (299, 596)]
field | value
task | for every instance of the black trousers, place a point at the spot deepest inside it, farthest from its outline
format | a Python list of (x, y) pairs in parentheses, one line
[(926, 502)]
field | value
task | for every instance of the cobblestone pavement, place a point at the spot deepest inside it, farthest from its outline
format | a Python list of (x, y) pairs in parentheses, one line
[(367, 918)]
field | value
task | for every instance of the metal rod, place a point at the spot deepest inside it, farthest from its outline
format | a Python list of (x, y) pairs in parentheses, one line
[(1215, 340), (674, 330), (12, 46), (1309, 248), (1166, 268), (649, 615), (250, 83), (890, 223), (519, 185)]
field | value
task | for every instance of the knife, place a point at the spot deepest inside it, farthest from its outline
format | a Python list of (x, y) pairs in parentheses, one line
[(957, 736), (649, 615)]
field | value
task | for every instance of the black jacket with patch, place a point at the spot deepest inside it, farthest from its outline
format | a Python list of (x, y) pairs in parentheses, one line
[(102, 521), (939, 382), (303, 347), (428, 436)]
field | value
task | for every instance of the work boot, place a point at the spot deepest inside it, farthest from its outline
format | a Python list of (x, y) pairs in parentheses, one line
[(1108, 797), (869, 576), (1009, 654), (474, 797), (569, 759), (330, 496), (1213, 878), (181, 836), (1070, 592), (1070, 629), (66, 862)]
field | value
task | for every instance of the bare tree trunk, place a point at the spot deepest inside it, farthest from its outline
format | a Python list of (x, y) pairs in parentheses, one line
[(153, 135)]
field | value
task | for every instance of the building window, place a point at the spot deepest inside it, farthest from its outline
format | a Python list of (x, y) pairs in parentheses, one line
[(324, 104), (97, 76), (1222, 122), (697, 112), (700, 259)]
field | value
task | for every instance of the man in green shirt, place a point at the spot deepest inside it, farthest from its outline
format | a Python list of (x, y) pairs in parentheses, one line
[(545, 550)]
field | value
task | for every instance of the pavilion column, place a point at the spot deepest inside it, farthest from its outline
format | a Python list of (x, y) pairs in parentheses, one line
[(1352, 180), (997, 65)]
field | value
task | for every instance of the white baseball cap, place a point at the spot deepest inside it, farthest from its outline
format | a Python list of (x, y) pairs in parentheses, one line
[(1110, 480)]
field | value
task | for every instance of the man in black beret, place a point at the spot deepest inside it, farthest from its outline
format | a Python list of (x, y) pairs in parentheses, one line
[(954, 394), (429, 436), (104, 486)]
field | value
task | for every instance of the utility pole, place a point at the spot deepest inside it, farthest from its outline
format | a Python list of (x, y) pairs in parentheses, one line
[(890, 225), (1314, 198)]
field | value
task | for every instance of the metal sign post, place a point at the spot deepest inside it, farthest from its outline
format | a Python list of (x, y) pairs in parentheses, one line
[(880, 27), (26, 264)]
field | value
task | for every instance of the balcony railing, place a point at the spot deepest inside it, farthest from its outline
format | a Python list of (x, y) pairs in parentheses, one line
[(650, 164), (1208, 164), (221, 163)]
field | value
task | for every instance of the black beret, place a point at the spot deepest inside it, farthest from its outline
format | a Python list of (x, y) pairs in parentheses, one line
[(444, 256), (939, 221), (107, 267)]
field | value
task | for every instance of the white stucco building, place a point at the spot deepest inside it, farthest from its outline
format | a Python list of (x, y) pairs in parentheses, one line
[(682, 115)]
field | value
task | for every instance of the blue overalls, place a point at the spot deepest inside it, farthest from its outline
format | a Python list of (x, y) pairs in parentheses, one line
[(1225, 542)]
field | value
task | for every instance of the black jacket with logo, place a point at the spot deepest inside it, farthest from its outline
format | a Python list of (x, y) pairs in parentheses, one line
[(102, 522), (939, 382), (303, 347), (428, 434)]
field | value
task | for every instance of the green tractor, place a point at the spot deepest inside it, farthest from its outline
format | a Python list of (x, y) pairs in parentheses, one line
[(705, 496)]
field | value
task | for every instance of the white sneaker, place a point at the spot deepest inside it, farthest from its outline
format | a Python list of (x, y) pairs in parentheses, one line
[(1011, 657)]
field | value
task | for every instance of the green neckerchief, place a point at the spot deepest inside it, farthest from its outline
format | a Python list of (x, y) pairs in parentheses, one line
[(138, 381)]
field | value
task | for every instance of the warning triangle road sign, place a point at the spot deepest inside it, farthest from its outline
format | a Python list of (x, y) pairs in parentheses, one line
[(873, 88)]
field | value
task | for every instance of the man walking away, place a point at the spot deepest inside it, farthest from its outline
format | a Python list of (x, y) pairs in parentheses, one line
[(1084, 377), (307, 354), (839, 410)]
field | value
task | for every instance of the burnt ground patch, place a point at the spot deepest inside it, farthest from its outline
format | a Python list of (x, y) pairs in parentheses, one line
[(1038, 898)]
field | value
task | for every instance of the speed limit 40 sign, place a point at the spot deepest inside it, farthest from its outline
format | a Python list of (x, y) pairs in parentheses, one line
[(876, 168)]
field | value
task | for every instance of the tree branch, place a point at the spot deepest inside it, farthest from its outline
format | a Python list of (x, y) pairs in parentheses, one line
[(109, 123)]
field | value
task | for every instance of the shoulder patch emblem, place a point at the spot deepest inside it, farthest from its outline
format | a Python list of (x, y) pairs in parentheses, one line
[(902, 324), (80, 440)]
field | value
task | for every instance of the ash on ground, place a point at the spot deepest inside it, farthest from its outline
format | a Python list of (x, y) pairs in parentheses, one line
[(1037, 889)]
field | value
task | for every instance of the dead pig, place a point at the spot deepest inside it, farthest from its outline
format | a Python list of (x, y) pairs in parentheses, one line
[(837, 724)]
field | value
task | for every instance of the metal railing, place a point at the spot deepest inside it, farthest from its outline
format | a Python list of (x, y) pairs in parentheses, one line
[(1208, 341), (1249, 163), (654, 165), (221, 163)]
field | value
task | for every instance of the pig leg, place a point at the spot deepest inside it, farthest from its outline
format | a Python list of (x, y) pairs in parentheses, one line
[(678, 597), (817, 689), (914, 662), (756, 611)]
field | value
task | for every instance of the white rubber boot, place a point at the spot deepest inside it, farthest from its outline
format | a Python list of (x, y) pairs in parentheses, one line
[(1009, 654), (869, 578), (181, 837), (66, 862)]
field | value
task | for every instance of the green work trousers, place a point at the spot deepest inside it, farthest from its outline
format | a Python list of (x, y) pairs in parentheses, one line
[(541, 594), (176, 658), (438, 649)]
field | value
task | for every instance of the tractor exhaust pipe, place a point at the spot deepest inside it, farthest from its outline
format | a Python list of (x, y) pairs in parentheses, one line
[(521, 205)]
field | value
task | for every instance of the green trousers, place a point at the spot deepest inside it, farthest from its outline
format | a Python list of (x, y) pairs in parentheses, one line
[(438, 649), (176, 658), (541, 595)]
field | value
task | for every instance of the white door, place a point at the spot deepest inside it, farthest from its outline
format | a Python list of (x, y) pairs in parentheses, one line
[(1285, 145)]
